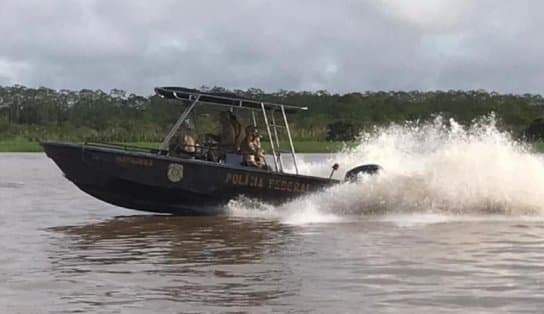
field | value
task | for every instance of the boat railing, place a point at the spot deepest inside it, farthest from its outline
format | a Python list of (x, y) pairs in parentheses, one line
[(127, 147)]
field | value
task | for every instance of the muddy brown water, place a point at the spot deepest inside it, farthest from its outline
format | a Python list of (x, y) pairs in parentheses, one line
[(65, 252)]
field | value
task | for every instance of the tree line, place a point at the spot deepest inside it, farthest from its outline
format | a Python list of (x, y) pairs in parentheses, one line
[(96, 115)]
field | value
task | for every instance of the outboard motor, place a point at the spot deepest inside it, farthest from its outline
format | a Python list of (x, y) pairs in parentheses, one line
[(370, 169)]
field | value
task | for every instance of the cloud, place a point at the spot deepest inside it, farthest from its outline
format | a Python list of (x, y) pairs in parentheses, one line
[(338, 46)]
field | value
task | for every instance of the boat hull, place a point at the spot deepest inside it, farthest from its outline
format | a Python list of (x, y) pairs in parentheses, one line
[(148, 181)]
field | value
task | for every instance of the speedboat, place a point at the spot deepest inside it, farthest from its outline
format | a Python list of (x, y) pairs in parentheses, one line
[(156, 180)]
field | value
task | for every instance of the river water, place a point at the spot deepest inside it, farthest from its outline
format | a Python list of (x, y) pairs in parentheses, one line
[(65, 252), (453, 224)]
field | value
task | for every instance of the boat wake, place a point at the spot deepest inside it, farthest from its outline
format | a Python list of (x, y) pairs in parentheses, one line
[(436, 170)]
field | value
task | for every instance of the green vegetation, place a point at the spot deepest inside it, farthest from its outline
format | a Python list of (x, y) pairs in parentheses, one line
[(28, 114), (19, 145), (539, 146)]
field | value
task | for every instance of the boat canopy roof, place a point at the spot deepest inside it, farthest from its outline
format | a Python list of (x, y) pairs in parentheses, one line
[(222, 99)]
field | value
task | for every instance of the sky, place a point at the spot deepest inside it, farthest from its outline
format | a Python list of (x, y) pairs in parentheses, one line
[(339, 46)]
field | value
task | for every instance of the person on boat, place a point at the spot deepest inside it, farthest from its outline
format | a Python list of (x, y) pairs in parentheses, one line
[(227, 136), (238, 131), (231, 134), (252, 154), (185, 141), (248, 147), (259, 155)]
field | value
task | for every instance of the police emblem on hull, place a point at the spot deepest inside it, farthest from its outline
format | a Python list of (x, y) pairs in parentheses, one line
[(175, 172)]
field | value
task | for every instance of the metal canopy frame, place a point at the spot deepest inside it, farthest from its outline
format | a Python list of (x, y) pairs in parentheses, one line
[(217, 99), (196, 97), (177, 125)]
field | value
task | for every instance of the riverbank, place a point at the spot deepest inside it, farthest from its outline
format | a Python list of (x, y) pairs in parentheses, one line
[(300, 146)]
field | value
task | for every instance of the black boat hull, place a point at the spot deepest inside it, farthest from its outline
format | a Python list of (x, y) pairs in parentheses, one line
[(148, 181)]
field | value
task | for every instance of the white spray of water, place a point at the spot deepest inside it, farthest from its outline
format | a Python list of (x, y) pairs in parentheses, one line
[(438, 168)]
